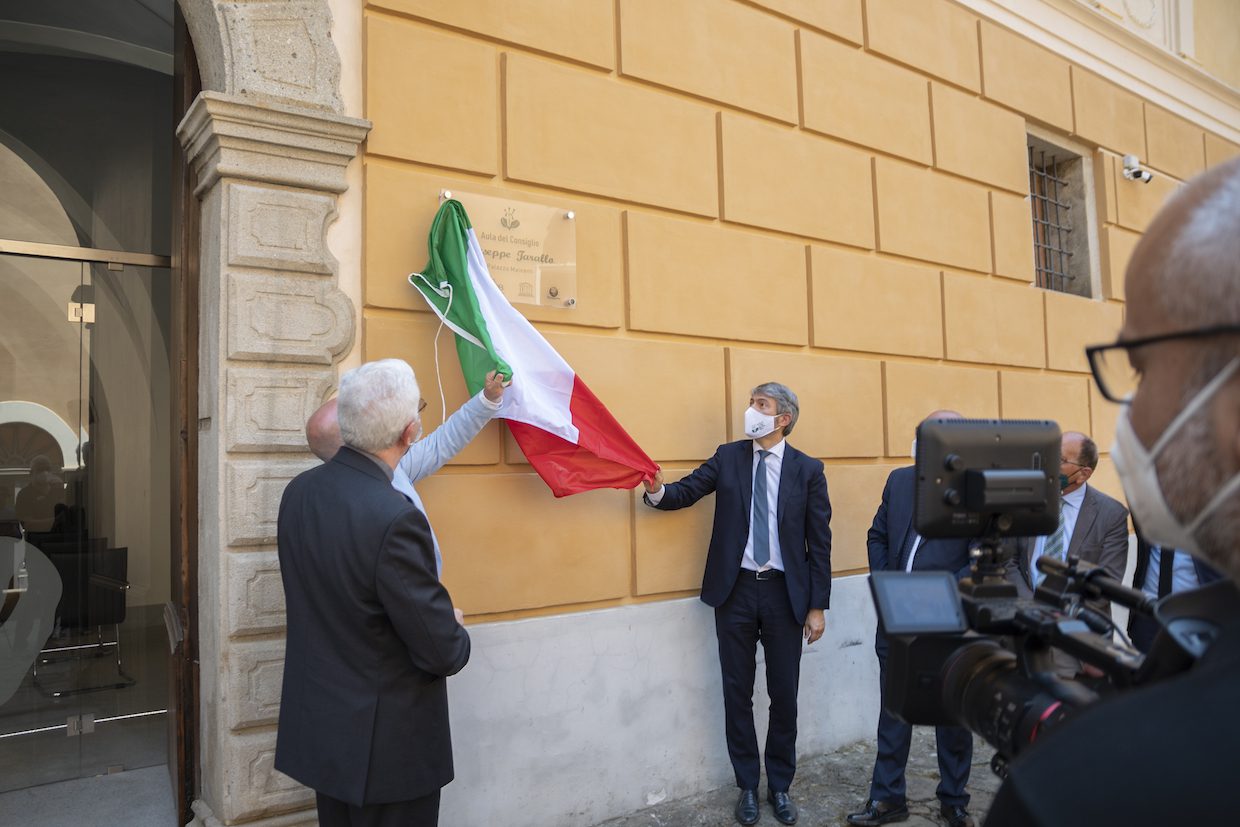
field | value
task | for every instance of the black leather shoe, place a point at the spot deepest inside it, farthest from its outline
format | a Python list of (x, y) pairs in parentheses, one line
[(878, 812), (956, 815), (785, 810), (747, 807)]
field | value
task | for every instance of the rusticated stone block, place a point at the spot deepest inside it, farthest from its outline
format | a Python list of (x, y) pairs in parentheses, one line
[(255, 593), (255, 787), (255, 676), (268, 408), (287, 319), (252, 492), (279, 229)]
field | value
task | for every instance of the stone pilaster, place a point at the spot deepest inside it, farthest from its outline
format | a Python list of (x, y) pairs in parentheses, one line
[(270, 148)]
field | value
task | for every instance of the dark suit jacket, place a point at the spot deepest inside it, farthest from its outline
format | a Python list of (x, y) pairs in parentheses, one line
[(371, 638), (890, 535), (803, 517), (1100, 537), (888, 540)]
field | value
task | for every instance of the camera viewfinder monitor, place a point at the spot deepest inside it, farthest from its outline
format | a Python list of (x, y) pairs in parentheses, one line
[(918, 603), (980, 475)]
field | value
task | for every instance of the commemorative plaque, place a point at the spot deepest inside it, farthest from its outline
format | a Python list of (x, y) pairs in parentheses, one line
[(530, 249)]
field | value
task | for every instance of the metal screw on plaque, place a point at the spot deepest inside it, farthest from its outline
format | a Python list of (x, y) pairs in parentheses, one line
[(553, 292), (570, 302), (570, 215)]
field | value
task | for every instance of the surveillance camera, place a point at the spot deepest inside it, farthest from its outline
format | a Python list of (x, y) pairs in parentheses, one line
[(1133, 171)]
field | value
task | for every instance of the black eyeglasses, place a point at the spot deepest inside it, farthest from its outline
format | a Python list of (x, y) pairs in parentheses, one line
[(421, 405), (1113, 372)]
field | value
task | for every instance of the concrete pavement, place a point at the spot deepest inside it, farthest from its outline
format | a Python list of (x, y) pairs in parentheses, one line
[(828, 787)]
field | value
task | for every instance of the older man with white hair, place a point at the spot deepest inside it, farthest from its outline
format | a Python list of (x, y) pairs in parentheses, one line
[(425, 456), (372, 634), (1166, 753)]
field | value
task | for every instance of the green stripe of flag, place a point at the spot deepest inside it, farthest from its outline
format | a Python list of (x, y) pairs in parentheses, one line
[(449, 262)]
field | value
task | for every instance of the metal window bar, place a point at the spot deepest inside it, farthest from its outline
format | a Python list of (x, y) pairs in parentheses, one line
[(1051, 230)]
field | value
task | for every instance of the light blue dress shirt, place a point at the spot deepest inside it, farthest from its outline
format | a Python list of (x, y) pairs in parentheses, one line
[(1183, 572), (428, 455), (1070, 509)]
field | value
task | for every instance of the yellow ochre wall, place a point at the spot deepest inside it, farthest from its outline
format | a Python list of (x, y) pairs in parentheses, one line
[(825, 194)]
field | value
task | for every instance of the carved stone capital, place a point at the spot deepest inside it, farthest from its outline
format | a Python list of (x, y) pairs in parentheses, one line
[(229, 136)]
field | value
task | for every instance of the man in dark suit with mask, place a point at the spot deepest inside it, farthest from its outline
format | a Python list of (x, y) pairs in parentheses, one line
[(895, 545), (768, 576), (1092, 526), (372, 634)]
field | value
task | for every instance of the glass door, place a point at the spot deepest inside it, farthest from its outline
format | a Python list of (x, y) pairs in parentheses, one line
[(84, 518)]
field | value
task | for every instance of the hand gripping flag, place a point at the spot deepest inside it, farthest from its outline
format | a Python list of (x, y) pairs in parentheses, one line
[(571, 439)]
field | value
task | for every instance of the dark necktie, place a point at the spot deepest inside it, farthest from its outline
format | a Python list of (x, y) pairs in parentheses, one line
[(1166, 562), (761, 514)]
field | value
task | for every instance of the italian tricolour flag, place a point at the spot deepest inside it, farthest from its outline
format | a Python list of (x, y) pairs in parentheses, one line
[(566, 433)]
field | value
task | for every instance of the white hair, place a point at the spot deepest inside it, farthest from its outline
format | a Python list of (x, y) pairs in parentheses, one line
[(376, 402)]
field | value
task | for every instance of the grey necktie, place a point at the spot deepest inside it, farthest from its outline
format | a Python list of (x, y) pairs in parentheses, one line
[(1055, 546), (761, 514)]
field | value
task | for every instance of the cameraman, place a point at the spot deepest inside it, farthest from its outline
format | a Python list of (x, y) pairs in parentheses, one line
[(1165, 753)]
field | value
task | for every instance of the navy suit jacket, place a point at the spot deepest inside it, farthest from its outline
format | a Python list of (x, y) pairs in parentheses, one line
[(890, 535), (803, 517)]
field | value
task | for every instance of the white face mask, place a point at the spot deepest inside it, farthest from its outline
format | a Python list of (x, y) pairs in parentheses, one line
[(1139, 475), (912, 452), (758, 424)]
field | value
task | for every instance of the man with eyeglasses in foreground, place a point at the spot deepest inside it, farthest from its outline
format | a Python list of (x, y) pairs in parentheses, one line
[(1165, 753), (426, 455)]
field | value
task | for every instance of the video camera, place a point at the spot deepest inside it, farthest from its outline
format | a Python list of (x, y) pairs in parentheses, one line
[(975, 654)]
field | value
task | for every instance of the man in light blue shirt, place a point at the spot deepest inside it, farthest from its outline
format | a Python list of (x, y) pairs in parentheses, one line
[(425, 456)]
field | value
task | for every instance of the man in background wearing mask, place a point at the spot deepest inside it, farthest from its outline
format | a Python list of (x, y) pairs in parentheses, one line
[(1165, 753), (768, 577), (1092, 526), (894, 545)]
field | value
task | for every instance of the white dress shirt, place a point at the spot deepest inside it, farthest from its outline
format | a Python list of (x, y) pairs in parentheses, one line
[(428, 455), (774, 466), (1070, 509)]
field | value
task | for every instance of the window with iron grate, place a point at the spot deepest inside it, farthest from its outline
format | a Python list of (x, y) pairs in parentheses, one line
[(1061, 232)]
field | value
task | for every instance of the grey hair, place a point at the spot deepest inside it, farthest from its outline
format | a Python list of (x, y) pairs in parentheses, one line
[(376, 402), (785, 401)]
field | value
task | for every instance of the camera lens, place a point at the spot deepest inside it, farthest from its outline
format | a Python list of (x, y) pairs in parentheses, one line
[(985, 691)]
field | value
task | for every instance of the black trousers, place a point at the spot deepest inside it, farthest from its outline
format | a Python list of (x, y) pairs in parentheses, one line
[(955, 750), (760, 610), (418, 812)]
